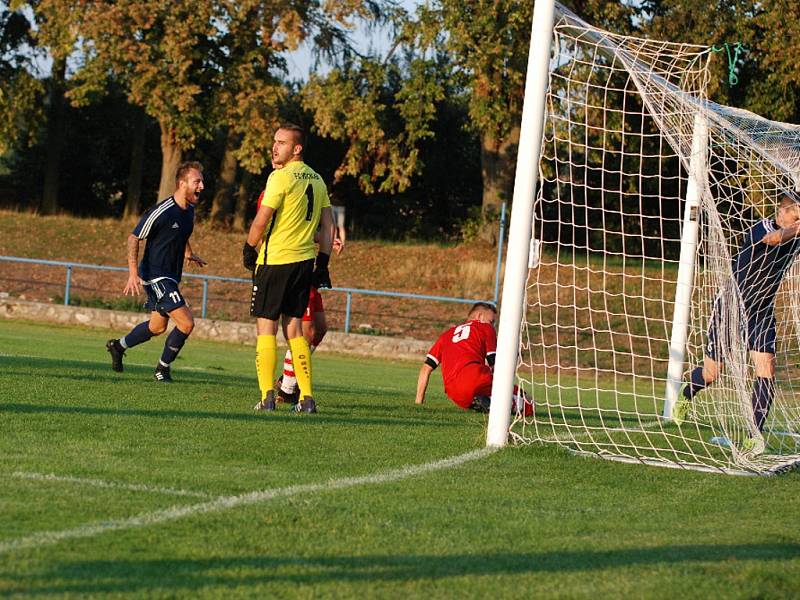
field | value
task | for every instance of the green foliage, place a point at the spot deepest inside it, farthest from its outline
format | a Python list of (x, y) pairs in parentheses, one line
[(381, 109), (21, 92), (477, 221), (125, 303)]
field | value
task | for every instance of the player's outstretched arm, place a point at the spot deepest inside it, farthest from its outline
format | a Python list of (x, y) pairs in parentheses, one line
[(422, 382), (133, 286), (780, 236)]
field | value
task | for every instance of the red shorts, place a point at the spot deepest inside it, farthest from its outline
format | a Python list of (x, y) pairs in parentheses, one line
[(473, 380), (314, 305)]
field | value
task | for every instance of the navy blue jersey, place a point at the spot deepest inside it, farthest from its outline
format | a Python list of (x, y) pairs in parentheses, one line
[(166, 227), (759, 268)]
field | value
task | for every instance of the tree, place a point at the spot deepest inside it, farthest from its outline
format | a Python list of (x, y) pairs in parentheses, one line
[(20, 90), (54, 38), (380, 113), (159, 52), (488, 42)]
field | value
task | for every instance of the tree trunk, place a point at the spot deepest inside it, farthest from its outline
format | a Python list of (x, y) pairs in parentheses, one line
[(222, 204), (171, 157), (242, 202), (133, 200), (498, 162), (56, 132)]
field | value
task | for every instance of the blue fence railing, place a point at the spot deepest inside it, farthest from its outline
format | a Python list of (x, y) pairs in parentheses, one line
[(349, 292)]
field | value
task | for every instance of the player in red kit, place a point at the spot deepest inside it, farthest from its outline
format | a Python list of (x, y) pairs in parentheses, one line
[(466, 355)]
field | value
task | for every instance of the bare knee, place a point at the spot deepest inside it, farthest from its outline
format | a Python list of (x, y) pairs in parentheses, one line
[(186, 326), (157, 328), (710, 374)]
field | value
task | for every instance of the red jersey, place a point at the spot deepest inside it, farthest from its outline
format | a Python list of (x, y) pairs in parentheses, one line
[(469, 343)]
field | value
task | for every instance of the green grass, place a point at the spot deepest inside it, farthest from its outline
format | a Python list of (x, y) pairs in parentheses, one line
[(523, 522)]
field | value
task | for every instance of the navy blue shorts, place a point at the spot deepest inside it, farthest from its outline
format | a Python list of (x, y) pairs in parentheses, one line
[(163, 296), (760, 333)]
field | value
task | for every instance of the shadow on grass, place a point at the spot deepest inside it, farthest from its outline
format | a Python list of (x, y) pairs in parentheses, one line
[(178, 575), (279, 416)]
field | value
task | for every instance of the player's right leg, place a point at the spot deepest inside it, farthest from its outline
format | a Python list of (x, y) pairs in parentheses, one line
[(701, 377), (265, 305)]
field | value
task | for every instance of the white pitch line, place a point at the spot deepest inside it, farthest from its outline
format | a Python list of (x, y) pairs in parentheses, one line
[(108, 484), (47, 538)]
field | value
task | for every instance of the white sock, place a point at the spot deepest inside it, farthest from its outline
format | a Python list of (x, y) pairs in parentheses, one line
[(289, 382)]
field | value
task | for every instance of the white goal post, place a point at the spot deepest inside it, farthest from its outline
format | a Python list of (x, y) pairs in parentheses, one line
[(519, 233)]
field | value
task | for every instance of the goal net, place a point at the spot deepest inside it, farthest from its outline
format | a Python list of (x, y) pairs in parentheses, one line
[(646, 193)]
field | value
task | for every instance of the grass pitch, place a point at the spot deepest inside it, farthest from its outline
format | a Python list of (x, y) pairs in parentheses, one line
[(113, 485)]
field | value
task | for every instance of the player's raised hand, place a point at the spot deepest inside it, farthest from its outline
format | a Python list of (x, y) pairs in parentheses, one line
[(133, 287)]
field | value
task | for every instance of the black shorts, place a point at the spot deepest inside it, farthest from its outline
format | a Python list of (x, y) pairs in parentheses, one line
[(163, 296), (281, 290), (760, 333)]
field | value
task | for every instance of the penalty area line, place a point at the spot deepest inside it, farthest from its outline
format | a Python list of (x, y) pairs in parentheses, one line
[(134, 487), (47, 538)]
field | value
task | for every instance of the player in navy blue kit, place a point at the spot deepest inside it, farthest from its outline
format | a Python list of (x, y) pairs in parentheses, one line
[(167, 227), (768, 250)]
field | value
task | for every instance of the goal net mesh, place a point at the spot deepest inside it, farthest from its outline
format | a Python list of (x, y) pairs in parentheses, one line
[(621, 117)]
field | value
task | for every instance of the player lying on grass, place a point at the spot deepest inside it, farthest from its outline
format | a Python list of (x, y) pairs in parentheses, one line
[(768, 250), (466, 354), (167, 227)]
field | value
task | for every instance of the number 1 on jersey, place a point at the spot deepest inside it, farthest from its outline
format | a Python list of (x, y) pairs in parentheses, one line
[(310, 196)]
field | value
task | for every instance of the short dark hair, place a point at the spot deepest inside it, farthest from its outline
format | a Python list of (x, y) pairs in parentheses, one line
[(486, 305), (299, 133), (184, 168)]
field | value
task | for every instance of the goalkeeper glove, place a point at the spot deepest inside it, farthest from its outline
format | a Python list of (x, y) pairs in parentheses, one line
[(320, 278), (249, 257)]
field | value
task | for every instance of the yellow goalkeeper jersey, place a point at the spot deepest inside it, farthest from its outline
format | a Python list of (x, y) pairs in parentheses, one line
[(298, 195)]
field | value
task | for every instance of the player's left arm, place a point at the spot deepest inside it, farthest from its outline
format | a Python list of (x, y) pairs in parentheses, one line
[(780, 236), (490, 345), (326, 230), (321, 278), (189, 255)]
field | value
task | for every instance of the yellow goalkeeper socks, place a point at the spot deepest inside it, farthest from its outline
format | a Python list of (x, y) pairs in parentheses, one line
[(266, 357), (301, 359)]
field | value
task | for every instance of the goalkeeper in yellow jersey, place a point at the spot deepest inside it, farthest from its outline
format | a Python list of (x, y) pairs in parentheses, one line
[(286, 267)]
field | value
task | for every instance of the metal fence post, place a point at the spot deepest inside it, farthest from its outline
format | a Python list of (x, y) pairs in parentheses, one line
[(205, 298), (347, 313), (499, 253), (68, 286)]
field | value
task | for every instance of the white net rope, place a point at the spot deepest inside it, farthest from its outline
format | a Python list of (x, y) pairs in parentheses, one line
[(617, 148)]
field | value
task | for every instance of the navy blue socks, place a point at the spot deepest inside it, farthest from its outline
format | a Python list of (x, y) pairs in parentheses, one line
[(696, 383), (175, 341), (138, 335), (763, 393)]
